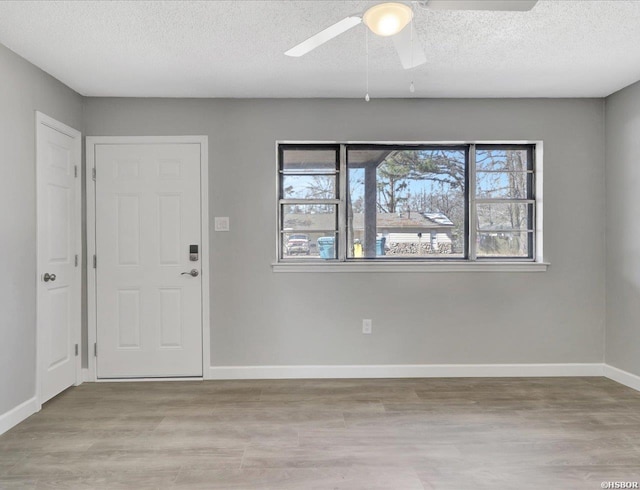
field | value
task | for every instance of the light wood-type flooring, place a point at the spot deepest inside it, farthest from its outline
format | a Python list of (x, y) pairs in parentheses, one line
[(399, 434)]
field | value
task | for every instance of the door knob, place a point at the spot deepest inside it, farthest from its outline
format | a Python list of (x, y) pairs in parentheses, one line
[(49, 277), (192, 272)]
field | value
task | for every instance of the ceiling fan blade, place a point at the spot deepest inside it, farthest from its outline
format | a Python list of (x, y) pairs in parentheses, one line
[(515, 5), (323, 36), (411, 54)]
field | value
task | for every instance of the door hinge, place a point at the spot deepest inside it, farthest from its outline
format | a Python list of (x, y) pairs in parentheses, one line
[(76, 350), (76, 260), (95, 349), (75, 171), (93, 173), (95, 262)]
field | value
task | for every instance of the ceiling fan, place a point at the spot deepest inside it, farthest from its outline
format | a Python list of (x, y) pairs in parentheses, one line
[(390, 20)]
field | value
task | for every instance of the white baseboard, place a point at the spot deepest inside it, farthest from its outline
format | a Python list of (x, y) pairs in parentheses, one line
[(622, 377), (389, 371), (405, 371), (146, 380), (17, 414)]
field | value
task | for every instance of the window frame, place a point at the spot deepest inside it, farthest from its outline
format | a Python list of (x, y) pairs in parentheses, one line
[(470, 260)]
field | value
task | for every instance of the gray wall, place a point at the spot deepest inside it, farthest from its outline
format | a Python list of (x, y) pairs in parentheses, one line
[(263, 318), (623, 229), (23, 90)]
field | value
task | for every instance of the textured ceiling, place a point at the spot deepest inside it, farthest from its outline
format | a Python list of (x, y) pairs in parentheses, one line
[(563, 48)]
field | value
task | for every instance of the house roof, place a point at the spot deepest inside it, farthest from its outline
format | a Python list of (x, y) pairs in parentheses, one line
[(413, 221)]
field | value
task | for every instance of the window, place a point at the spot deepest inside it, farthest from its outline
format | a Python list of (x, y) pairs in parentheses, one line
[(504, 202), (406, 202), (309, 202), (410, 202)]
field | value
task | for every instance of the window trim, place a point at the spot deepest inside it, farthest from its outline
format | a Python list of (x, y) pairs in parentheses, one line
[(467, 264)]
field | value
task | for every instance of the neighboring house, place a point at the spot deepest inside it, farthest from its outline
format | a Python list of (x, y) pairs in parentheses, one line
[(411, 233), (405, 234)]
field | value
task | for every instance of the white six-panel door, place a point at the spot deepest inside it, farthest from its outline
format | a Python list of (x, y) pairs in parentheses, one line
[(58, 150), (148, 291)]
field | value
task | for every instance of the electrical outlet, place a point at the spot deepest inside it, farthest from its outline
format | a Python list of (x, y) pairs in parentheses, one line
[(366, 326)]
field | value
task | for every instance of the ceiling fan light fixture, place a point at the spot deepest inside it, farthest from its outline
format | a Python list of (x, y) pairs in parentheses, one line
[(387, 19)]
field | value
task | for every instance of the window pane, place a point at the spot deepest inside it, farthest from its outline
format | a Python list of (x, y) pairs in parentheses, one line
[(500, 160), (501, 185), (503, 244), (309, 187), (505, 216), (310, 161), (406, 203), (312, 245), (302, 217)]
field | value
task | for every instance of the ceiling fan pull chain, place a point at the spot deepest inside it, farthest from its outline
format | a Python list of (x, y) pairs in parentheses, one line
[(412, 88), (366, 45)]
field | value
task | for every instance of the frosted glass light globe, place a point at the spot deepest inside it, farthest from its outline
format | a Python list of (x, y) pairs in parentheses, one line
[(387, 19)]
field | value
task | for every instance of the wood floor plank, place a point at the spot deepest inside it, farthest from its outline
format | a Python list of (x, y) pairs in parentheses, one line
[(301, 479), (113, 481)]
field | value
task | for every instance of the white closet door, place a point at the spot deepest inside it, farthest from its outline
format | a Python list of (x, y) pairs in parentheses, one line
[(58, 208)]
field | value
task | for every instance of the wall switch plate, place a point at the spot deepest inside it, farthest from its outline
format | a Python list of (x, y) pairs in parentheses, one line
[(366, 326), (221, 223)]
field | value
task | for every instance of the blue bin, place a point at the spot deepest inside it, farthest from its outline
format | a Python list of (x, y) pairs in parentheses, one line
[(380, 243), (326, 247)]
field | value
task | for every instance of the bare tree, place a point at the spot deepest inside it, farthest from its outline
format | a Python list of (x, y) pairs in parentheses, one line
[(404, 166)]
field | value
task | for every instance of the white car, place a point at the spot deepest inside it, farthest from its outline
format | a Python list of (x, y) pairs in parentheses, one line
[(298, 245)]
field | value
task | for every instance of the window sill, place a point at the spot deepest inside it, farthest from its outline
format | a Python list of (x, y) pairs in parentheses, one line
[(393, 266)]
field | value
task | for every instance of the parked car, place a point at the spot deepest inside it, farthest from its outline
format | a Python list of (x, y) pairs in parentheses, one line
[(297, 245)]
